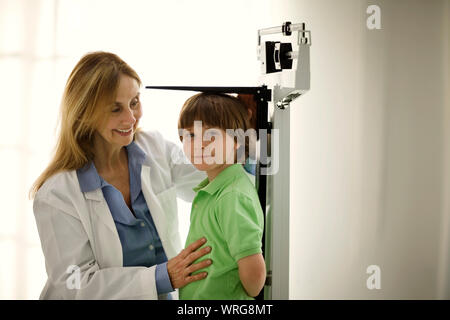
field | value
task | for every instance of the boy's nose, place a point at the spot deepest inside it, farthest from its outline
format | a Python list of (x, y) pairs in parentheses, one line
[(205, 143)]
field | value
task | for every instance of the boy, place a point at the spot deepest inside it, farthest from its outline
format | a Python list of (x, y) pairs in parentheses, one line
[(226, 209)]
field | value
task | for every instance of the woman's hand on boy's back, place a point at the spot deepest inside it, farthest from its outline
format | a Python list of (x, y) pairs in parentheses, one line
[(180, 267)]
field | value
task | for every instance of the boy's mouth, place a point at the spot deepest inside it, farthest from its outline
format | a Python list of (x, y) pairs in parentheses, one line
[(202, 159)]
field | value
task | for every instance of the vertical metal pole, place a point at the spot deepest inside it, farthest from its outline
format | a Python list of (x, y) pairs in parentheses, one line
[(261, 180), (279, 205)]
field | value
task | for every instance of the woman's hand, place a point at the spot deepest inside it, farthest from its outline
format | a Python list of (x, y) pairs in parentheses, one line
[(181, 267)]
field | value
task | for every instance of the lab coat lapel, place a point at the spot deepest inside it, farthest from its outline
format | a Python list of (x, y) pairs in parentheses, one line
[(97, 205)]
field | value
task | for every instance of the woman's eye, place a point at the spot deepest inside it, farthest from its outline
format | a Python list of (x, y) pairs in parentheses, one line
[(115, 110), (135, 103)]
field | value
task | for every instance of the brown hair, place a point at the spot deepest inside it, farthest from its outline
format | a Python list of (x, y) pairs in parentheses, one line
[(91, 87), (221, 111), (249, 101)]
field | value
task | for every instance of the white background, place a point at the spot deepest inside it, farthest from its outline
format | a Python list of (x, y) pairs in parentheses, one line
[(370, 179)]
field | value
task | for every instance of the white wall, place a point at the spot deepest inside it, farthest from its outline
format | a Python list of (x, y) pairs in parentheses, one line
[(369, 141), (368, 144), (444, 270)]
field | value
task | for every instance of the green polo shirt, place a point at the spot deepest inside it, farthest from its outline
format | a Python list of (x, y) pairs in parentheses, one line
[(228, 213)]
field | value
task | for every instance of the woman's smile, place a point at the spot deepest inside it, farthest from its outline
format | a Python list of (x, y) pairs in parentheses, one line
[(124, 133)]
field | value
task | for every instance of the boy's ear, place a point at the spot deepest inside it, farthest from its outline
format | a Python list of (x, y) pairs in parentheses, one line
[(237, 145), (180, 134), (238, 153)]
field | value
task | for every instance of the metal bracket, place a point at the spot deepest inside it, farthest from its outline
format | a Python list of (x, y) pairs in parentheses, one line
[(271, 61)]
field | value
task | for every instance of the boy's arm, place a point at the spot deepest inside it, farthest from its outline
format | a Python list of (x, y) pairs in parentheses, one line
[(252, 272), (242, 222)]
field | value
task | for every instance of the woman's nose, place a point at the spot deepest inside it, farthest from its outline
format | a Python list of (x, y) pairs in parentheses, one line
[(129, 117)]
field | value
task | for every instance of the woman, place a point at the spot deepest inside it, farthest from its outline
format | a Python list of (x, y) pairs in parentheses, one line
[(105, 207)]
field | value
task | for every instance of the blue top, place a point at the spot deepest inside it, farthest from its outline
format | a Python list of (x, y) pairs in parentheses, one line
[(250, 166), (141, 245)]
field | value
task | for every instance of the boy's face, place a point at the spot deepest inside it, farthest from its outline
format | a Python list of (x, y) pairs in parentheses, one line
[(208, 148)]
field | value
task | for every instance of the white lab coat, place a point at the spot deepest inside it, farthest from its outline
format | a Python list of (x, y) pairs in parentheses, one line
[(77, 229)]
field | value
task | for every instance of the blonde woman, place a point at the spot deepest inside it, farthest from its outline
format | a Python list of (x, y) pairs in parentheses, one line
[(105, 206)]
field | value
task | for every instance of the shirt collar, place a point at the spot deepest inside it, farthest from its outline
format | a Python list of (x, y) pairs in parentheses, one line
[(89, 178), (221, 180), (136, 158), (250, 166), (135, 153)]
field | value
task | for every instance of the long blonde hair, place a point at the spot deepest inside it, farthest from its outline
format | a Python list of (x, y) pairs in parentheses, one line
[(91, 87)]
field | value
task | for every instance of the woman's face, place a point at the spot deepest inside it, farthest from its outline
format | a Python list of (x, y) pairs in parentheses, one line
[(123, 116)]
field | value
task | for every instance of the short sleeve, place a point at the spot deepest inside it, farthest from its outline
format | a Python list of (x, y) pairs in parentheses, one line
[(241, 221)]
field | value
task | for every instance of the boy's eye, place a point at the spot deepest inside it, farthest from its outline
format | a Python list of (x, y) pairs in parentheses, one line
[(212, 134), (188, 135), (210, 137)]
